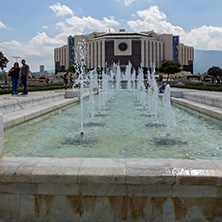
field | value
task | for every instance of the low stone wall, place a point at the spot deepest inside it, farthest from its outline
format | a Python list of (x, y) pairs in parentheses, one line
[(82, 189), (1, 135), (209, 104), (211, 100), (10, 104)]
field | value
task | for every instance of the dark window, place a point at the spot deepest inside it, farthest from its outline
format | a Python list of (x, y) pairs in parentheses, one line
[(123, 46)]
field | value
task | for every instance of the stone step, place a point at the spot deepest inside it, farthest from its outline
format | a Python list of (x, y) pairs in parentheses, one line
[(212, 100), (15, 118), (12, 119), (9, 104), (209, 110)]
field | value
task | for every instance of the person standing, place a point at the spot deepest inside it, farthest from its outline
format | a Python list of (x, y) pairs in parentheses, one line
[(47, 80), (66, 79), (24, 76), (50, 79), (71, 81), (14, 72)]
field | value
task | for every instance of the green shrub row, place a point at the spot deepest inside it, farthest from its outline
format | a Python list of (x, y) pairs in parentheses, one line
[(194, 84), (207, 88), (32, 89), (201, 84)]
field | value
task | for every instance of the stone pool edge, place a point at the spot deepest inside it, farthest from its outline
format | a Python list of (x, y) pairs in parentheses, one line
[(211, 111), (56, 188), (97, 189)]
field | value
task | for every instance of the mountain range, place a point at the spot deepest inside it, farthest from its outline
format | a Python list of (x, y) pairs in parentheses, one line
[(205, 59)]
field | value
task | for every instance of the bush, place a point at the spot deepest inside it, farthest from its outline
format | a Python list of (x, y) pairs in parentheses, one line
[(194, 84), (205, 87), (32, 89)]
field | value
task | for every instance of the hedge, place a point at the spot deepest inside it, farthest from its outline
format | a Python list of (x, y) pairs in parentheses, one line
[(32, 89), (205, 87)]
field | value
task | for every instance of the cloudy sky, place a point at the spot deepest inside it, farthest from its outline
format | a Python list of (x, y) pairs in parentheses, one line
[(32, 29)]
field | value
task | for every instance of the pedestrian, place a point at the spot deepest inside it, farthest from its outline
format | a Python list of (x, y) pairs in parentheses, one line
[(14, 72), (47, 80), (71, 81), (162, 88), (65, 78), (24, 76), (51, 79)]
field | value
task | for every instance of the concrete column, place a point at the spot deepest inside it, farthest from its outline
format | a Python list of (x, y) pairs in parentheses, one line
[(87, 57), (147, 54), (151, 54), (103, 53), (96, 54), (154, 53), (142, 53), (157, 55), (99, 53), (92, 55), (1, 136), (161, 60)]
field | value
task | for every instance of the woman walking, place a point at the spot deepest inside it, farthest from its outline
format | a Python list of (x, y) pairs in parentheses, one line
[(14, 72)]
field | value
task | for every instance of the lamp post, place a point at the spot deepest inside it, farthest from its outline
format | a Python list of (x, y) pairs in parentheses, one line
[(16, 57)]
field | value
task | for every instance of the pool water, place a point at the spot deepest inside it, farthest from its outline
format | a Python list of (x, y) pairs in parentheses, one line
[(122, 130)]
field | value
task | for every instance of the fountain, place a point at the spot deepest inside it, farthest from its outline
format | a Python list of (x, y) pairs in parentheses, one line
[(109, 176), (154, 94), (169, 114), (128, 75), (80, 55), (149, 93), (118, 79), (93, 82), (134, 82)]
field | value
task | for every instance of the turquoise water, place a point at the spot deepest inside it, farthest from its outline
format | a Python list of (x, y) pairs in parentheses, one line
[(122, 130)]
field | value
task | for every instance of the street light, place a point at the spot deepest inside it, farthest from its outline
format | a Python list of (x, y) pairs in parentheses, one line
[(16, 57)]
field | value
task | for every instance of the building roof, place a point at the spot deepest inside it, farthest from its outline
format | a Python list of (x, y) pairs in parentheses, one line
[(111, 35)]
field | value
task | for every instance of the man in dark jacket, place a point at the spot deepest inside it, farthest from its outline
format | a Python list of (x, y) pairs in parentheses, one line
[(24, 76)]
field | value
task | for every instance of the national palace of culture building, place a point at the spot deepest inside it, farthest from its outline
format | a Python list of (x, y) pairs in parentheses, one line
[(139, 48)]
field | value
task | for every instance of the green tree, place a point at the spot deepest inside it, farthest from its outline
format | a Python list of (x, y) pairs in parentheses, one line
[(169, 67), (3, 61), (71, 68), (214, 71), (75, 68)]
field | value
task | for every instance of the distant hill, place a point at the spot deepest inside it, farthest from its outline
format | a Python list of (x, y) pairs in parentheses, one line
[(204, 59), (52, 70), (49, 71)]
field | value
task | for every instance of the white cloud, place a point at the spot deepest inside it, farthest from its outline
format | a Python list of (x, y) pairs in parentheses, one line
[(77, 25), (153, 19), (128, 2), (61, 10), (2, 25), (40, 49), (205, 37), (45, 27)]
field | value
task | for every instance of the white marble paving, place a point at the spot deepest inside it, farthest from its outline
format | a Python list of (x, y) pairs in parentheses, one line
[(1, 136), (54, 188), (109, 171)]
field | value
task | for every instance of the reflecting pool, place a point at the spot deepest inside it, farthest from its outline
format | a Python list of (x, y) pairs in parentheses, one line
[(122, 130)]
